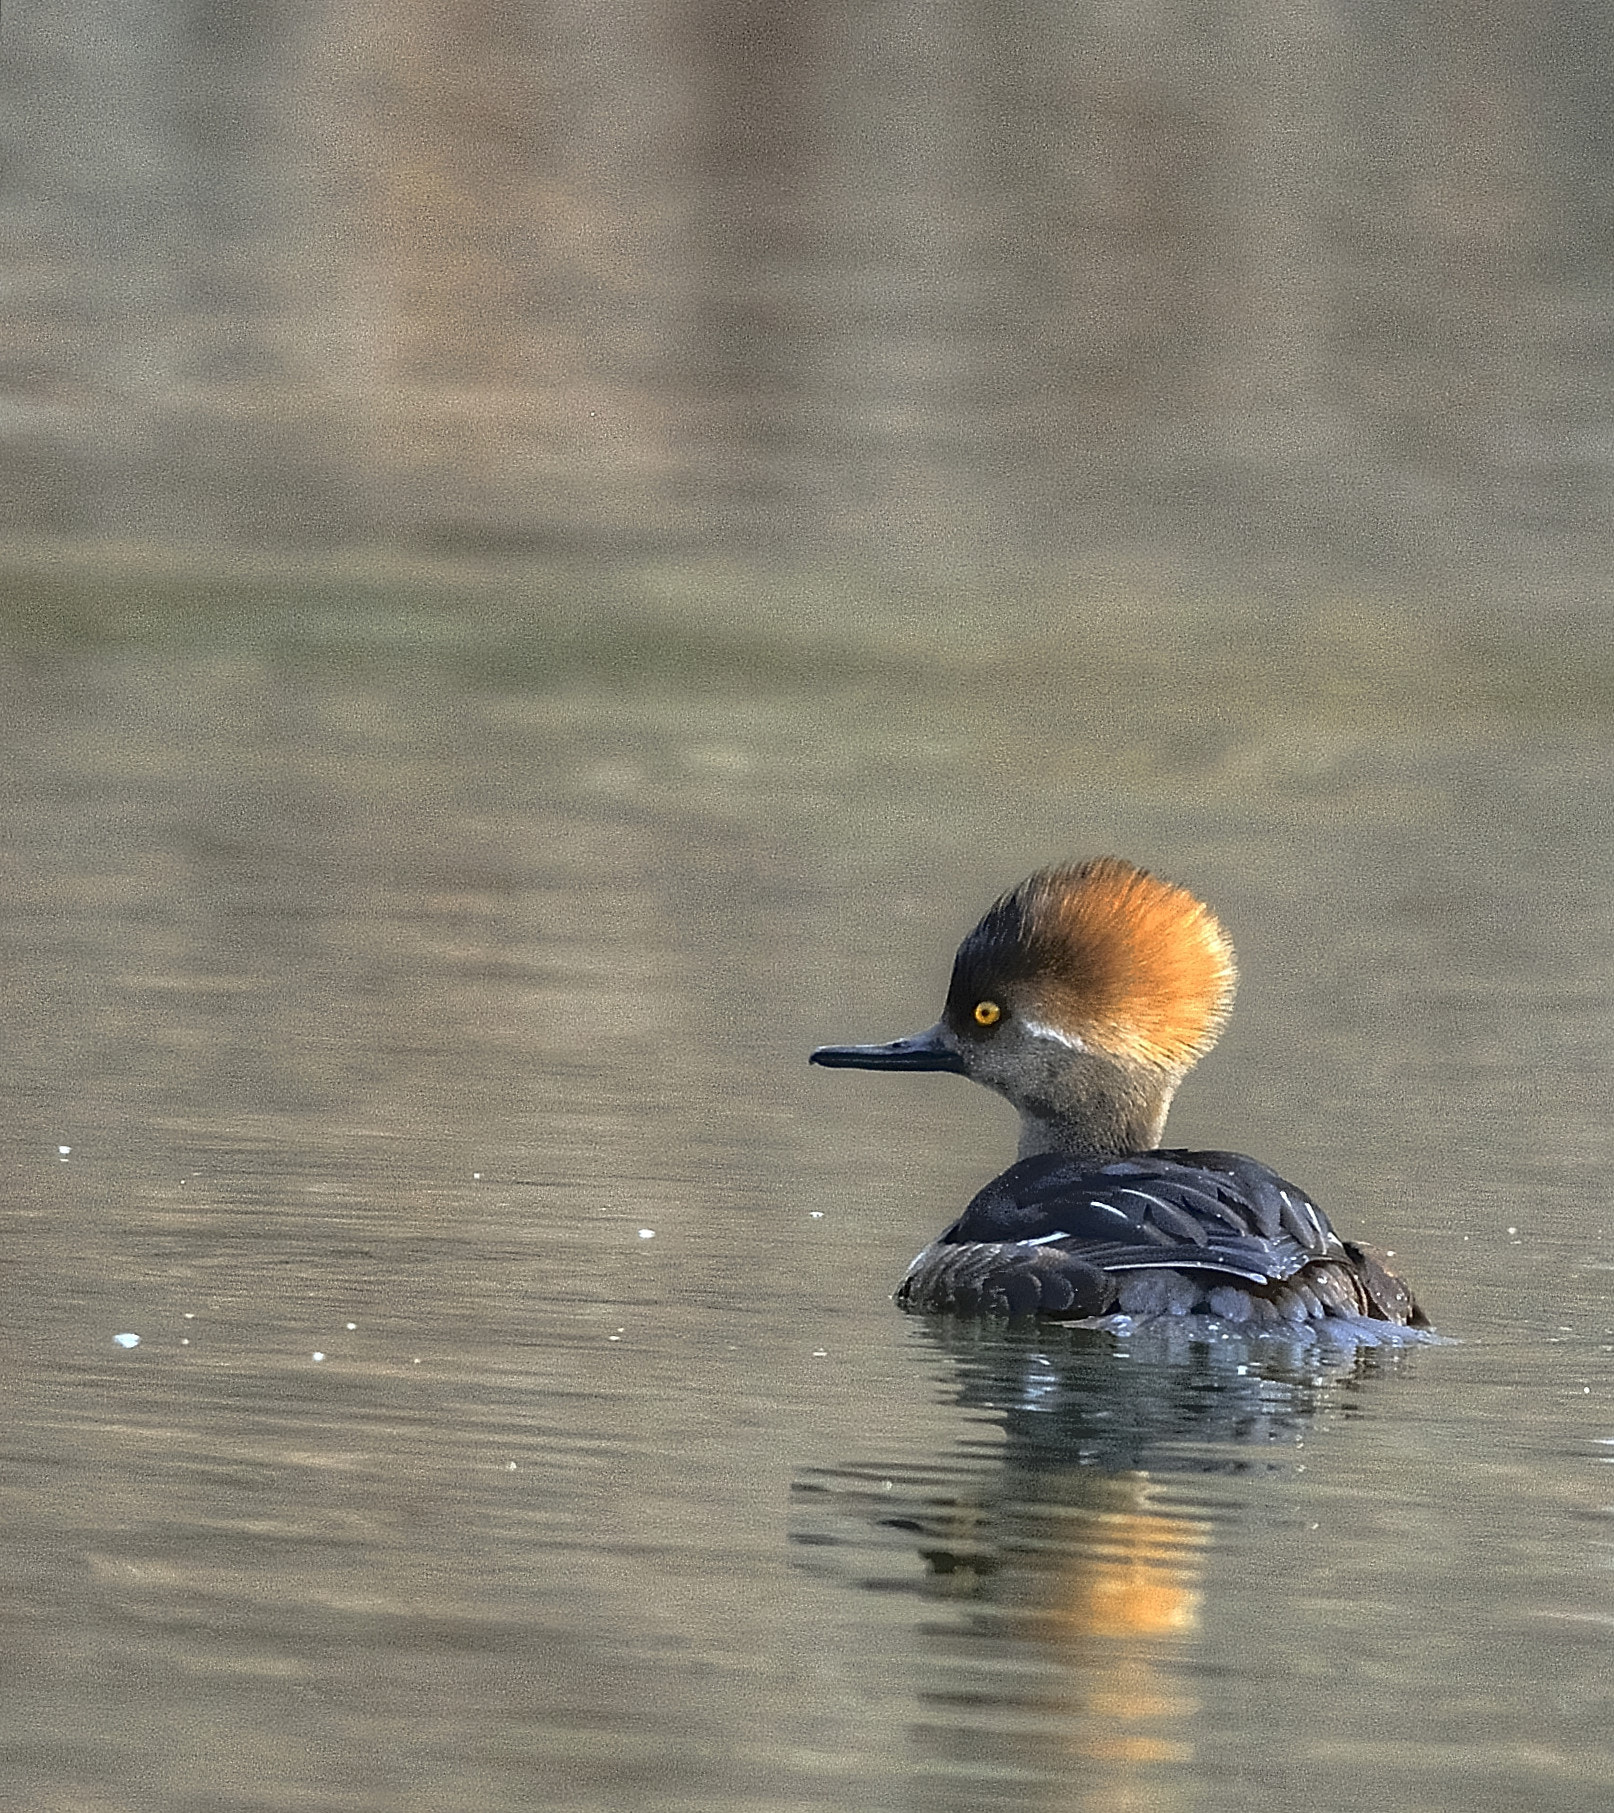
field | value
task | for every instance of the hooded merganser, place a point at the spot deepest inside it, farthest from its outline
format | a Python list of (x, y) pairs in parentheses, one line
[(1085, 996)]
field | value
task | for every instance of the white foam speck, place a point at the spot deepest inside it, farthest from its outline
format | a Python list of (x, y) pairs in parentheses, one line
[(317, 1358), (647, 1233)]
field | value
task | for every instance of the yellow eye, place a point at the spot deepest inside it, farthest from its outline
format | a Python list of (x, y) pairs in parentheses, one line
[(987, 1013)]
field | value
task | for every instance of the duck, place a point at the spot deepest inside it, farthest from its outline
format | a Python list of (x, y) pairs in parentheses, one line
[(1084, 996)]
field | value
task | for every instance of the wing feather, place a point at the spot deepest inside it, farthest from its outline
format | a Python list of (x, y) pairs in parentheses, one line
[(1204, 1212)]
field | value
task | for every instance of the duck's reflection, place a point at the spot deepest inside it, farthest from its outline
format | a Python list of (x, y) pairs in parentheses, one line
[(1073, 1540)]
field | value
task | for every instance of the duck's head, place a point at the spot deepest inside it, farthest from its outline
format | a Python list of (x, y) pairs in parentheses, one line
[(1084, 996)]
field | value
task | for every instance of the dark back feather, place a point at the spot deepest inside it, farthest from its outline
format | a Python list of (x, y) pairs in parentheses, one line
[(1196, 1211)]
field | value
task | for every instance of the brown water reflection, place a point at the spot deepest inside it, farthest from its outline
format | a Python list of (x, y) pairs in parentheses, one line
[(1080, 1558)]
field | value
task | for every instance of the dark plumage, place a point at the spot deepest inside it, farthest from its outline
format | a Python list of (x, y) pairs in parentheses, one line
[(1054, 1236)]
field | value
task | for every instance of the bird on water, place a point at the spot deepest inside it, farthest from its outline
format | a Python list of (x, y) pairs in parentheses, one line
[(1085, 996)]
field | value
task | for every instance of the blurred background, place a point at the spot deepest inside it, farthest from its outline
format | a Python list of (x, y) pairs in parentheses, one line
[(555, 556), (1058, 297)]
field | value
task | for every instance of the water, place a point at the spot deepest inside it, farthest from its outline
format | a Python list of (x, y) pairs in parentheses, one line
[(384, 1003), (551, 562), (1303, 290)]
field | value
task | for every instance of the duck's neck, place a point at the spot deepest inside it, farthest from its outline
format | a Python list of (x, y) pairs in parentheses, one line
[(1128, 1114)]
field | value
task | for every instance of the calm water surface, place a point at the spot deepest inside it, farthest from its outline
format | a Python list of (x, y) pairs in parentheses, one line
[(436, 1001), (553, 558)]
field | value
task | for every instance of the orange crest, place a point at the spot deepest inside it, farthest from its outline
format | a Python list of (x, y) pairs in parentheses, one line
[(1135, 966)]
